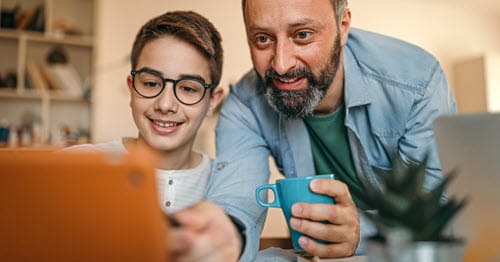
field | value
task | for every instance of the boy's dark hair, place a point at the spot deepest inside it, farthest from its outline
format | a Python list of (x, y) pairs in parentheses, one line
[(188, 26)]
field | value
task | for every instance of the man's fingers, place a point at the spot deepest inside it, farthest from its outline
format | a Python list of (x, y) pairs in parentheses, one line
[(206, 234), (325, 232), (196, 217), (211, 248), (205, 246), (180, 241), (326, 250), (334, 214), (334, 188)]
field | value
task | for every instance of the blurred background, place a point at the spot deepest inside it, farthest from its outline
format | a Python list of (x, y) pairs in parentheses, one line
[(87, 42)]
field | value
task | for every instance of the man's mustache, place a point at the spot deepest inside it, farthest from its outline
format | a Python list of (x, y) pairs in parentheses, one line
[(295, 73)]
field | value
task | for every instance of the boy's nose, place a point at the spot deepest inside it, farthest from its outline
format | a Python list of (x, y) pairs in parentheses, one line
[(166, 101)]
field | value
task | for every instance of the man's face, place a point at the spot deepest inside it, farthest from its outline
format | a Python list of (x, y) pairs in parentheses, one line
[(296, 49)]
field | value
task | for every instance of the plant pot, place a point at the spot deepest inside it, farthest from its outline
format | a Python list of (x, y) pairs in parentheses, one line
[(440, 251)]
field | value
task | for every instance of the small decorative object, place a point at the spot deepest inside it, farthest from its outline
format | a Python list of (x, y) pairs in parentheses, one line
[(410, 220), (57, 55), (10, 79), (2, 84)]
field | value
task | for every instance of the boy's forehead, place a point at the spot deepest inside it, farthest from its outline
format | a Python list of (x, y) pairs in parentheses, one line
[(173, 57)]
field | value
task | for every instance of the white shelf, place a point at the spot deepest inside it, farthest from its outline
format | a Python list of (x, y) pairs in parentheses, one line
[(49, 38), (17, 47), (478, 84), (15, 94)]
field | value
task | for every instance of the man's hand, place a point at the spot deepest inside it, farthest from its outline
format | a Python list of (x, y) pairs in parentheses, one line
[(205, 234), (343, 230)]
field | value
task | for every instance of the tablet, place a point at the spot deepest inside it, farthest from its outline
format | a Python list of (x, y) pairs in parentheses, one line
[(80, 207)]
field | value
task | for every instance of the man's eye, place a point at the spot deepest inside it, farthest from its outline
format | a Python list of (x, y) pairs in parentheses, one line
[(262, 39), (303, 35)]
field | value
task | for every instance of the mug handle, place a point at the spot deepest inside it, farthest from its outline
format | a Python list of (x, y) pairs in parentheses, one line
[(275, 203)]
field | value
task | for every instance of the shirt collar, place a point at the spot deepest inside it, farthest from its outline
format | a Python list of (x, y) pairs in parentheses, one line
[(356, 92)]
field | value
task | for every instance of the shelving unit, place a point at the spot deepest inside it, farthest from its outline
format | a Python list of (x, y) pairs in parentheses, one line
[(478, 84), (51, 110)]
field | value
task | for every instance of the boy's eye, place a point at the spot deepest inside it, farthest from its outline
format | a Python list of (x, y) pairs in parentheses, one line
[(188, 89), (151, 84)]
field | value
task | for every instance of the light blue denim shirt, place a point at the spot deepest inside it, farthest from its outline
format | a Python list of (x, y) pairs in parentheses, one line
[(393, 92)]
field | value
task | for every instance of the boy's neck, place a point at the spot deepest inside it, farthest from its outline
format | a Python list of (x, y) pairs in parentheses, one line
[(170, 160)]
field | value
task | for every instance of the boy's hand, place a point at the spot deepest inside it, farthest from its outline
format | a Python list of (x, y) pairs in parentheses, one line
[(205, 234)]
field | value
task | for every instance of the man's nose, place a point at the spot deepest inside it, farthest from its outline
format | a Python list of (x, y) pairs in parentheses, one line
[(166, 101), (284, 57)]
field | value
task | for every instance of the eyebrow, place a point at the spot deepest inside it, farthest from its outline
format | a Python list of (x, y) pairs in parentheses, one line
[(193, 77), (302, 22), (158, 73)]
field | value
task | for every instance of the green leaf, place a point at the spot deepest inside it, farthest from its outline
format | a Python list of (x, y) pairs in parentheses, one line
[(433, 230), (402, 201)]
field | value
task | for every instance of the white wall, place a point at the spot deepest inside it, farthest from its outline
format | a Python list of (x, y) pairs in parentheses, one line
[(450, 31)]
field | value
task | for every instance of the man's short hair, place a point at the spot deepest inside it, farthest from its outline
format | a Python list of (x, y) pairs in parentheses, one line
[(188, 26)]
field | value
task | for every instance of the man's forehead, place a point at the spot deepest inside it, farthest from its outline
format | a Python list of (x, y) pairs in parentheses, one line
[(287, 13)]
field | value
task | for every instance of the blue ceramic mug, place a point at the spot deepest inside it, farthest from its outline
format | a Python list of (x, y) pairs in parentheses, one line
[(289, 191)]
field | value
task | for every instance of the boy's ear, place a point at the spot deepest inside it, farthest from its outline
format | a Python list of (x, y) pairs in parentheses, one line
[(215, 100), (129, 83)]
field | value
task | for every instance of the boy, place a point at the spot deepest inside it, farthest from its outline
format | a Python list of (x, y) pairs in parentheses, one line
[(176, 68)]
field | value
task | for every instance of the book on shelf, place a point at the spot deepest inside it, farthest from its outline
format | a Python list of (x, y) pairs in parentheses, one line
[(32, 19), (63, 78), (35, 76)]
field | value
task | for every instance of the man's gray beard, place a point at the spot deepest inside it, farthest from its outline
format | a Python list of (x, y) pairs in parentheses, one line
[(297, 104), (294, 104)]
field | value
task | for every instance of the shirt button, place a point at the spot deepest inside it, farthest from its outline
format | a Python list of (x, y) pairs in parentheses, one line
[(168, 203), (220, 166), (170, 182)]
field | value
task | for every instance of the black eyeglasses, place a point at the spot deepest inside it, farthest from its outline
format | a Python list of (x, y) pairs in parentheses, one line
[(188, 90)]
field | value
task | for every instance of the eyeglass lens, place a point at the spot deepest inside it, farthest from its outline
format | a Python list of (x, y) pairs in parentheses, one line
[(187, 91)]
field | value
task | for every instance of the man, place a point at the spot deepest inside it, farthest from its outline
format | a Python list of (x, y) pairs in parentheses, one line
[(323, 98)]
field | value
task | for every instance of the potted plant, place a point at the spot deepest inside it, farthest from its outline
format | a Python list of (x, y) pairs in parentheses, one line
[(411, 221)]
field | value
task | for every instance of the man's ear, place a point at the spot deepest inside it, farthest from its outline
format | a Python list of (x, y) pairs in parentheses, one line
[(215, 100), (345, 25)]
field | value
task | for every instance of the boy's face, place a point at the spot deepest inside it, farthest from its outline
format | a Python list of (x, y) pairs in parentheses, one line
[(163, 122)]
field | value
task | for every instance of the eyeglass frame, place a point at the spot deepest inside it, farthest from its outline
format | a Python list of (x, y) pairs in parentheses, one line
[(174, 84)]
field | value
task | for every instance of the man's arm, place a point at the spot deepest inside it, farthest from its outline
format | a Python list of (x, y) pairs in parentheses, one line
[(418, 140), (242, 164), (205, 233)]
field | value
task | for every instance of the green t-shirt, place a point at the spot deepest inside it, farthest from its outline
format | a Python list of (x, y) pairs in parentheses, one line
[(331, 151)]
